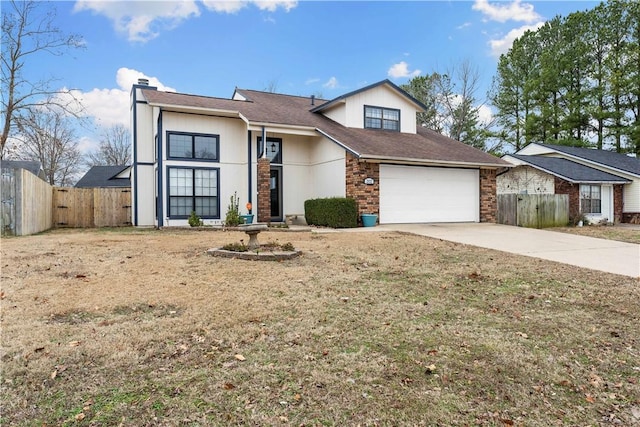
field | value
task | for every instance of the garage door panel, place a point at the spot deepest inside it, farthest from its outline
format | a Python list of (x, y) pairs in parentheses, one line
[(420, 194)]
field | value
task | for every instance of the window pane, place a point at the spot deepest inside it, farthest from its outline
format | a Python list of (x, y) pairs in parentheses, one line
[(205, 147), (595, 192), (180, 206), (206, 182), (207, 206), (392, 114), (180, 146), (180, 182), (372, 123), (391, 125), (373, 112)]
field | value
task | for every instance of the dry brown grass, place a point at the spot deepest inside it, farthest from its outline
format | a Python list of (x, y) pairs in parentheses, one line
[(619, 233), (143, 328)]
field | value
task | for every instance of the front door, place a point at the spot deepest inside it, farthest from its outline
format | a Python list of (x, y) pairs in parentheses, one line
[(275, 184)]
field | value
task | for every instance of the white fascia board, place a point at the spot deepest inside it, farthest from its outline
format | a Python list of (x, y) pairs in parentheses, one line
[(199, 110), (445, 163), (513, 160), (282, 128)]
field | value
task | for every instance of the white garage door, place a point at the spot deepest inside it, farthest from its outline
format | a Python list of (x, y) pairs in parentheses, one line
[(423, 194)]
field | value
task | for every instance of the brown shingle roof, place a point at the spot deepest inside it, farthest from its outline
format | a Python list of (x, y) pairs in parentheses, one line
[(264, 107)]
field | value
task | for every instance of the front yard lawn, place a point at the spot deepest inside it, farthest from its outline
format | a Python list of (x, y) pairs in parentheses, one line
[(619, 233), (129, 327)]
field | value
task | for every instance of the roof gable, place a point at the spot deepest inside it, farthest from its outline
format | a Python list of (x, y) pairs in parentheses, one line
[(386, 82), (569, 170), (104, 176), (609, 159)]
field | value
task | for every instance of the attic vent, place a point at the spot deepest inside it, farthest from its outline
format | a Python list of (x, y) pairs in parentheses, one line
[(313, 100), (144, 82)]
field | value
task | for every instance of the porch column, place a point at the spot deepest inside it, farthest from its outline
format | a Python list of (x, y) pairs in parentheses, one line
[(264, 189)]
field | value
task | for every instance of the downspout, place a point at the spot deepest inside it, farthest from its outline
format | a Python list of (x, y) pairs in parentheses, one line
[(264, 142), (249, 189), (159, 199)]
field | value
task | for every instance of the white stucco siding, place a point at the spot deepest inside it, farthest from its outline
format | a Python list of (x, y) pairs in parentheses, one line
[(144, 175), (380, 96), (145, 141), (338, 114), (631, 197), (232, 133), (328, 170), (525, 180)]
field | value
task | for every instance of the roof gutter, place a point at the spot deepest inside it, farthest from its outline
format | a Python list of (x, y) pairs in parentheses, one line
[(410, 161)]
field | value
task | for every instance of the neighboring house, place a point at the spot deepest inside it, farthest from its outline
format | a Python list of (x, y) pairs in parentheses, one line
[(105, 177), (602, 185), (192, 153), (33, 166)]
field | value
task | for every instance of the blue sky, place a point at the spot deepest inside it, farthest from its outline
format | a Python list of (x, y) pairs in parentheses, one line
[(324, 48)]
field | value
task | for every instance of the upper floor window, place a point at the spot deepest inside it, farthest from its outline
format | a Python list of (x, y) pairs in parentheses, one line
[(590, 200), (193, 146), (381, 118), (274, 149)]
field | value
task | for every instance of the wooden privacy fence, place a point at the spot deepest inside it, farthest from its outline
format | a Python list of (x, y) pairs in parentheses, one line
[(26, 203), (91, 207), (533, 210)]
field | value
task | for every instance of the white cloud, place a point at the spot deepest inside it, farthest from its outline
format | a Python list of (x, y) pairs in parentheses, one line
[(507, 11), (110, 106), (332, 83), (500, 46), (141, 21), (464, 25), (485, 114), (311, 81), (401, 69), (233, 6)]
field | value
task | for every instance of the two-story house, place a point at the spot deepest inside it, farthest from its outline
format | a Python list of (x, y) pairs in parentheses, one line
[(192, 153)]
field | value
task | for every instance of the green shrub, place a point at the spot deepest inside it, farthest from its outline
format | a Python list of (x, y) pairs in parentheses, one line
[(233, 218), (334, 212), (194, 220)]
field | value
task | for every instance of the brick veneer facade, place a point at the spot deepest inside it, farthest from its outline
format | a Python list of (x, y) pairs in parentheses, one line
[(367, 196), (617, 203), (264, 190), (488, 197), (573, 191)]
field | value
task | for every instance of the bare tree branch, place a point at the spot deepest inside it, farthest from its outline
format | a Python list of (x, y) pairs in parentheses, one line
[(115, 148), (28, 30)]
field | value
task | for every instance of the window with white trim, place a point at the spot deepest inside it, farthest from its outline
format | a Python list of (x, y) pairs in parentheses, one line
[(590, 199), (381, 118), (193, 189)]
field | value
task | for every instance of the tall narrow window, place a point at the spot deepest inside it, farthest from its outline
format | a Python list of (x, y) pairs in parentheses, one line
[(381, 118), (192, 146), (193, 190), (590, 199)]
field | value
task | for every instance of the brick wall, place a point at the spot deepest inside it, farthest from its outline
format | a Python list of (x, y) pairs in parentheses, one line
[(367, 196), (488, 198), (264, 190), (573, 190), (617, 203)]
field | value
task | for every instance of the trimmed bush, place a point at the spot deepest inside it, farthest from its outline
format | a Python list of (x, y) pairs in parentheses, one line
[(334, 212)]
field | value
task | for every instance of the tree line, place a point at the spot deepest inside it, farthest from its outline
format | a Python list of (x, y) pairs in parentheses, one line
[(574, 81)]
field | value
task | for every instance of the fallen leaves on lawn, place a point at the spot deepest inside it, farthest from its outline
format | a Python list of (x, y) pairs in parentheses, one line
[(240, 357)]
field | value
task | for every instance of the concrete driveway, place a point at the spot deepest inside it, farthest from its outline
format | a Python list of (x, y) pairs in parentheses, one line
[(588, 252)]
